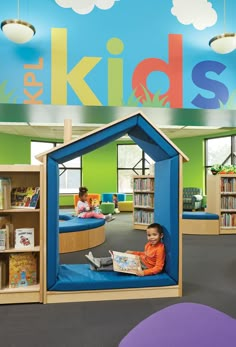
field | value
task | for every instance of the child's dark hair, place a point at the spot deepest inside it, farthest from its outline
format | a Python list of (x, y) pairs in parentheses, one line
[(156, 226), (115, 195), (82, 191)]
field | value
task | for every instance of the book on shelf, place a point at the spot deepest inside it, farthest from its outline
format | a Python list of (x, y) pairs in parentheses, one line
[(2, 239), (228, 220), (6, 237), (3, 274), (146, 200), (25, 197), (5, 193), (228, 184), (125, 262), (145, 184), (143, 217), (228, 202), (24, 238), (22, 269)]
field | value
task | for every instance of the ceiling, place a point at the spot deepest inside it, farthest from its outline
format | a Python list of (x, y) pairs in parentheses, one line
[(56, 131)]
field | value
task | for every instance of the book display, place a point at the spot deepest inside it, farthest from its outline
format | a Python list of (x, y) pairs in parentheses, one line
[(221, 199), (20, 235), (143, 201), (25, 197)]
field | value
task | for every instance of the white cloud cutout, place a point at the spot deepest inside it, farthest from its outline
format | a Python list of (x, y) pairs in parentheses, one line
[(199, 13), (86, 6)]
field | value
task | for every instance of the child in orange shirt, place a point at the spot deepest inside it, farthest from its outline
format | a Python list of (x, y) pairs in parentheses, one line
[(152, 258)]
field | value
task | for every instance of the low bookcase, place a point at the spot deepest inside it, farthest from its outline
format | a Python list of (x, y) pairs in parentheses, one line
[(143, 193), (23, 176), (221, 199)]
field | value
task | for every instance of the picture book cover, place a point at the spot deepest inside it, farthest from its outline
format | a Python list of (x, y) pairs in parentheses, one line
[(127, 263), (24, 238), (25, 197), (22, 269)]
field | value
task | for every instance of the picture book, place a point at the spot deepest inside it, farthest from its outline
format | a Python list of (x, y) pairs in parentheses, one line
[(24, 238), (5, 193), (22, 269), (124, 262), (25, 197)]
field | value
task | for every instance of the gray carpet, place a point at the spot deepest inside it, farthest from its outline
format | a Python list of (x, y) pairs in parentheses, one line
[(209, 278)]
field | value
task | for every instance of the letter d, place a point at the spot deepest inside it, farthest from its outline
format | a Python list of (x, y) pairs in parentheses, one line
[(173, 69)]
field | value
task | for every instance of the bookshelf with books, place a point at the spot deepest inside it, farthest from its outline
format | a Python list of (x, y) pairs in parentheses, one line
[(20, 235), (143, 192), (221, 199)]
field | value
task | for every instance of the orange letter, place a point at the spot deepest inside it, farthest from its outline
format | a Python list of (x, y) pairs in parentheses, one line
[(173, 69), (34, 67), (30, 80), (32, 98)]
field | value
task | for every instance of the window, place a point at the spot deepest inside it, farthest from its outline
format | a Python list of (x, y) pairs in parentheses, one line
[(70, 172), (131, 161), (220, 150), (70, 176)]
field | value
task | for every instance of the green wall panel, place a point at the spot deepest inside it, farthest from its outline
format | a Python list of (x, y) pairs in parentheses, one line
[(100, 169), (14, 149), (66, 200), (193, 171)]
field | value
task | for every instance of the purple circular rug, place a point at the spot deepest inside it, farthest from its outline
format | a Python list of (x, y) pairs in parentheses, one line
[(184, 325)]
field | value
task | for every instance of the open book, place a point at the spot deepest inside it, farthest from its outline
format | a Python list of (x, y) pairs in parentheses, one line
[(125, 262)]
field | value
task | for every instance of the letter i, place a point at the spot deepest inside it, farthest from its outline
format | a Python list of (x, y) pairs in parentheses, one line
[(115, 73)]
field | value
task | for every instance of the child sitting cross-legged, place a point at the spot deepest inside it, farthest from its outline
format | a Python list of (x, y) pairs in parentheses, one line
[(85, 211), (152, 258)]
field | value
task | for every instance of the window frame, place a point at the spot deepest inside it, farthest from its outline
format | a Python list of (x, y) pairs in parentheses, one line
[(142, 169), (231, 156), (64, 168)]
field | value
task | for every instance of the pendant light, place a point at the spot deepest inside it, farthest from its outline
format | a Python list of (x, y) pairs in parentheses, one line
[(223, 43), (17, 30)]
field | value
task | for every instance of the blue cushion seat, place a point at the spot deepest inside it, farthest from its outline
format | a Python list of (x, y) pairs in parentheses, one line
[(79, 224), (76, 277), (108, 197), (65, 216), (200, 215)]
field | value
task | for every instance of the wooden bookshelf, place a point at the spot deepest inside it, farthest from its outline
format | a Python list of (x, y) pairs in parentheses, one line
[(143, 193), (221, 199), (23, 176)]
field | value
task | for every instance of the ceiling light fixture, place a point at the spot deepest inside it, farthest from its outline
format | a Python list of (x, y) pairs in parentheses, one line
[(17, 30), (223, 43)]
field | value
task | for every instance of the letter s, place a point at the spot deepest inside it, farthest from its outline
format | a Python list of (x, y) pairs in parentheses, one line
[(202, 81)]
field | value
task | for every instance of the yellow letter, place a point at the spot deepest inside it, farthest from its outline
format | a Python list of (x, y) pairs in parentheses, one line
[(75, 77)]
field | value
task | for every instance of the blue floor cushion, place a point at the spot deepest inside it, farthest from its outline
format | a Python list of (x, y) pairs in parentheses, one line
[(79, 224), (200, 215), (76, 277)]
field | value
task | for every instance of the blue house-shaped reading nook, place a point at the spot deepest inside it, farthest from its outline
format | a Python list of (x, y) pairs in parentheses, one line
[(76, 282)]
